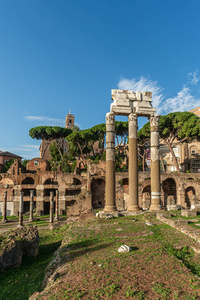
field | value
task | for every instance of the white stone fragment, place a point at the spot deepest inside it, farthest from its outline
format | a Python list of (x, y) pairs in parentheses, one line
[(149, 224), (124, 248), (119, 229)]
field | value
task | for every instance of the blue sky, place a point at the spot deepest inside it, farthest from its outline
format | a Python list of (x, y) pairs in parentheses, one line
[(57, 56)]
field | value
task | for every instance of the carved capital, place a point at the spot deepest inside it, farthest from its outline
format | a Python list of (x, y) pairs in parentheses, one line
[(154, 122), (110, 118), (132, 119)]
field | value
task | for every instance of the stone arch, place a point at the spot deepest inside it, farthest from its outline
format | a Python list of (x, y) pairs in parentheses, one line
[(189, 192), (169, 189), (76, 181), (98, 192), (50, 181), (28, 180)]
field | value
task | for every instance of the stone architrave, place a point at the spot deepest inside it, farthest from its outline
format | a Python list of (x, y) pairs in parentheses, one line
[(110, 205), (155, 164), (51, 208), (133, 164), (56, 206), (4, 220), (31, 206), (21, 203)]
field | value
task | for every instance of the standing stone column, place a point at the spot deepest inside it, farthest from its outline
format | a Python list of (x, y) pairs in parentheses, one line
[(21, 209), (31, 206), (56, 208), (133, 164), (110, 205), (4, 220), (51, 208), (155, 163)]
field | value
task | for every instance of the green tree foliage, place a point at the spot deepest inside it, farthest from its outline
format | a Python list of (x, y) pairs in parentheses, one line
[(83, 139), (175, 128), (7, 165), (24, 162), (55, 154), (49, 134), (100, 131)]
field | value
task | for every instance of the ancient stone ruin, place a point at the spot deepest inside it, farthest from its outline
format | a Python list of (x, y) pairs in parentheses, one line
[(15, 244), (133, 105)]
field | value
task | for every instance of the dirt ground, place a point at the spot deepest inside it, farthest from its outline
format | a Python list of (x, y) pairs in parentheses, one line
[(161, 264)]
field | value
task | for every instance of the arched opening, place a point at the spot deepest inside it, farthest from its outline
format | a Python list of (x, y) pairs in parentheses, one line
[(47, 192), (189, 192), (98, 193), (76, 181), (125, 185), (169, 189), (50, 181), (28, 180)]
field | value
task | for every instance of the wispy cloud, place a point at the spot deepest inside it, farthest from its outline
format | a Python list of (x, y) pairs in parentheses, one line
[(183, 101), (31, 147), (192, 78), (144, 84), (45, 120)]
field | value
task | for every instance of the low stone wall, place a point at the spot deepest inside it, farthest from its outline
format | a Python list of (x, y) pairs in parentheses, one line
[(15, 244), (181, 225)]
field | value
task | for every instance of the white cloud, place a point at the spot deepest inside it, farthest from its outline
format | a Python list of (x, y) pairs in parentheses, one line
[(193, 79), (45, 120), (144, 85), (32, 147), (183, 101)]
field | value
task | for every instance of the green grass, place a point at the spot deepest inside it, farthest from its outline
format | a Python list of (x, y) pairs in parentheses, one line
[(20, 283)]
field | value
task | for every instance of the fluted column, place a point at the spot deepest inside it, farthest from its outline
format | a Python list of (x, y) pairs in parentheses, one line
[(5, 208), (133, 164), (31, 206), (51, 208), (21, 209), (110, 205), (155, 163)]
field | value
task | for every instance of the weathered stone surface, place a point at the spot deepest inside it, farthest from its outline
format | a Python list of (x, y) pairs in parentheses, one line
[(124, 248), (22, 241), (188, 213)]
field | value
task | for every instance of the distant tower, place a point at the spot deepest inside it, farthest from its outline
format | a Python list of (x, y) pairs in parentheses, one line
[(69, 120)]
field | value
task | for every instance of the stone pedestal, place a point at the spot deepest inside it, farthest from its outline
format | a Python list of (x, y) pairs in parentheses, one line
[(155, 164), (4, 220), (110, 205), (133, 164), (51, 208), (31, 206), (21, 209)]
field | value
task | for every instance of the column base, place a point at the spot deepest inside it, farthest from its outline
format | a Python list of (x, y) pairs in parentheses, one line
[(31, 219), (133, 208), (155, 207), (109, 209)]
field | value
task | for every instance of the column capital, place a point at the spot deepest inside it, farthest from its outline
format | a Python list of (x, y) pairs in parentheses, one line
[(110, 118), (132, 119), (154, 122)]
